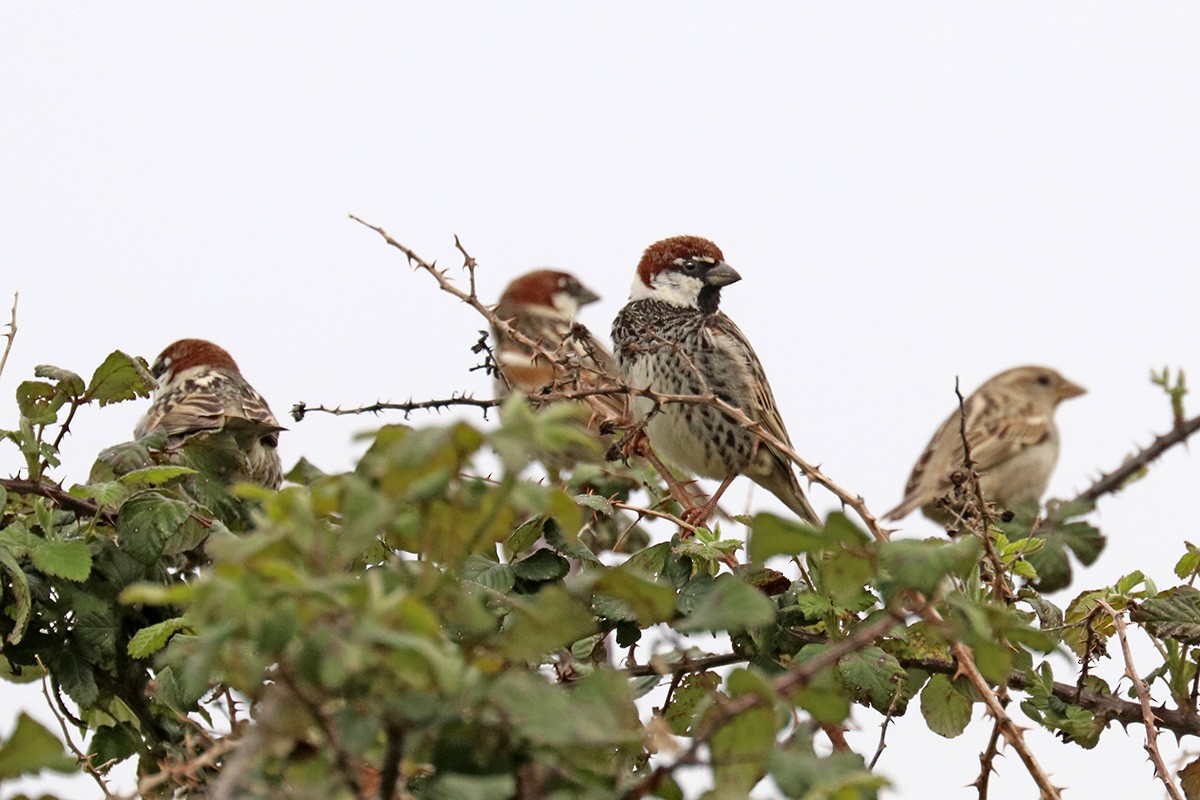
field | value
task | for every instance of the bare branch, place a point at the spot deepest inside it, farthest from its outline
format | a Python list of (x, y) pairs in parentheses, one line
[(785, 685), (1143, 695), (12, 332), (301, 409), (1115, 480), (61, 498), (84, 759), (1009, 729), (986, 759)]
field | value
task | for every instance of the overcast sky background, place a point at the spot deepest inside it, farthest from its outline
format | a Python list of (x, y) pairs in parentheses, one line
[(910, 191)]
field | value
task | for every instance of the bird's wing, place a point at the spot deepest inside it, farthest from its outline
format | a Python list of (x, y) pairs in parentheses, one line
[(190, 408), (762, 409), (998, 427)]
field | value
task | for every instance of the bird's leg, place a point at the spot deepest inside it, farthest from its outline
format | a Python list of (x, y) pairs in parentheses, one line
[(698, 515)]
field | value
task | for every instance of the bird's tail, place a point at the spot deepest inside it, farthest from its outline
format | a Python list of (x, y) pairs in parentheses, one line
[(788, 490)]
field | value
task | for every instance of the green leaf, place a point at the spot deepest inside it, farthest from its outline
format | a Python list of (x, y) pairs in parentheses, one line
[(147, 520), (1174, 613), (21, 594), (152, 638), (69, 383), (32, 748), (39, 402), (922, 565), (651, 601), (454, 786), (541, 566), (799, 772), (771, 536), (543, 622), (741, 748), (725, 603), (875, 677), (596, 503), (70, 560), (120, 377), (650, 560), (155, 476), (525, 535), (486, 572), (694, 693), (946, 710)]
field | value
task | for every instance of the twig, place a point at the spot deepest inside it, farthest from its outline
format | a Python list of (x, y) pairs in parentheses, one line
[(1012, 733), (299, 410), (61, 498), (12, 332), (785, 685), (1000, 589), (650, 512), (986, 759), (1143, 695), (883, 727), (1115, 480), (84, 760)]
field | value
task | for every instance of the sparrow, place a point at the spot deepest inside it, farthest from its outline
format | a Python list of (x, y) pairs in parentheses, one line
[(671, 338), (201, 390), (542, 305), (1013, 439)]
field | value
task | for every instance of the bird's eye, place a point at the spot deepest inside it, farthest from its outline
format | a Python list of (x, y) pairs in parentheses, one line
[(689, 266), (1044, 380)]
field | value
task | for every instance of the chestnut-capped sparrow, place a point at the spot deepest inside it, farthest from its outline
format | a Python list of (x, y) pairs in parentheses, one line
[(671, 338), (1013, 440), (201, 390), (542, 305)]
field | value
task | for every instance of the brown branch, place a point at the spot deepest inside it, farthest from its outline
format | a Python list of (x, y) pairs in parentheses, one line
[(61, 498), (12, 332), (785, 685), (1013, 734), (84, 759), (1143, 695), (986, 759), (1114, 481), (299, 410)]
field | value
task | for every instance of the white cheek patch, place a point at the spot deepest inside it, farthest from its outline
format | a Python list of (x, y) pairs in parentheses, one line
[(563, 302), (670, 287)]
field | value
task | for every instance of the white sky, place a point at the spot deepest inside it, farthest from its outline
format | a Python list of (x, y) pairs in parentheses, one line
[(910, 191)]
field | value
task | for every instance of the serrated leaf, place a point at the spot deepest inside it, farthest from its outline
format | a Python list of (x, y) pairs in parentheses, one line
[(726, 603), (651, 601), (146, 521), (70, 383), (155, 476), (525, 535), (39, 402), (152, 638), (71, 560), (596, 503), (740, 750), (20, 588), (875, 677), (540, 566), (693, 694), (1173, 613), (1189, 779), (120, 377), (32, 748), (771, 535), (486, 572), (922, 564), (946, 710)]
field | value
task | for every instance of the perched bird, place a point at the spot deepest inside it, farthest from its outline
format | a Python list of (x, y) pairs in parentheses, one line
[(201, 390), (671, 338), (1013, 439), (542, 305)]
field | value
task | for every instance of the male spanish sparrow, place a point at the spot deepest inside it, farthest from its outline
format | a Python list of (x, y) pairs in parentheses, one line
[(671, 338)]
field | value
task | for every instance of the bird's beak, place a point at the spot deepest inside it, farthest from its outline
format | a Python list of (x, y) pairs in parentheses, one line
[(1066, 390), (721, 275), (585, 296)]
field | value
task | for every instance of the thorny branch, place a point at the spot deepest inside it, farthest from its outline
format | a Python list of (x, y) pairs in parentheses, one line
[(83, 758), (1143, 695), (60, 497), (12, 332), (1114, 481), (299, 410), (785, 685), (986, 759)]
